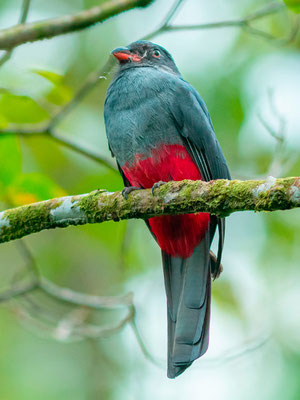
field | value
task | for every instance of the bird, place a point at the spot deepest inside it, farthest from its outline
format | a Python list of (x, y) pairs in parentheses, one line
[(158, 128)]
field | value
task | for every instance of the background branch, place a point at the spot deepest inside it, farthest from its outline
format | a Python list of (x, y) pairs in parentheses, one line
[(72, 326), (244, 23), (20, 34)]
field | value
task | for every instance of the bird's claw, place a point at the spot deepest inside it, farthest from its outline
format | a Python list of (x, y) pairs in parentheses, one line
[(127, 190), (157, 185)]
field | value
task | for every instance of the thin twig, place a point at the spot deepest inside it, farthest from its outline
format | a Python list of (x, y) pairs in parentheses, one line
[(94, 331), (242, 22), (30, 131), (25, 11), (234, 354), (87, 86), (29, 258), (85, 300), (5, 57), (142, 345), (22, 19), (80, 150), (172, 12), (270, 8), (18, 290), (282, 160), (74, 328)]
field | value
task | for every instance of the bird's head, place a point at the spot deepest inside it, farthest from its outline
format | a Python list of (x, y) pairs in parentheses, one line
[(145, 54)]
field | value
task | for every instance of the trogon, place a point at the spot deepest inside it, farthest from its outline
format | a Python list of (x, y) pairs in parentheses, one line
[(159, 129)]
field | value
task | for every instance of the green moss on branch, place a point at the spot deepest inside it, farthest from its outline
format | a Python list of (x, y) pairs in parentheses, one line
[(219, 197)]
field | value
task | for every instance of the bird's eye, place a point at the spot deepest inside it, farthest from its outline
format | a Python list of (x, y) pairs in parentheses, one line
[(156, 53)]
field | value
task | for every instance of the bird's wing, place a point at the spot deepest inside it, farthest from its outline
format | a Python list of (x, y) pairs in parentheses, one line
[(194, 125), (125, 180)]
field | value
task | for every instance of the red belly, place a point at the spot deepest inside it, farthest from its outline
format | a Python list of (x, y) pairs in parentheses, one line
[(177, 235)]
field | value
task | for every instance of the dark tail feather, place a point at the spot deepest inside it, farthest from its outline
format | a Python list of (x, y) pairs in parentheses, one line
[(187, 284)]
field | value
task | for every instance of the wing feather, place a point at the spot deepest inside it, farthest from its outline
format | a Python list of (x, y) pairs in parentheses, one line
[(194, 125)]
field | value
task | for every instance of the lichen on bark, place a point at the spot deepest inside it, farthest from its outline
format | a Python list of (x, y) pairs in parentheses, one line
[(219, 197)]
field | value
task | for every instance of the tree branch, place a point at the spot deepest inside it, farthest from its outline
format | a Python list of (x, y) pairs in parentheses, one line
[(18, 290), (23, 33), (244, 23), (219, 197), (66, 328), (83, 300)]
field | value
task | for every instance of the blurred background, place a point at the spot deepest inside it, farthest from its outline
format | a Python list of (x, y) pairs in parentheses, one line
[(250, 82)]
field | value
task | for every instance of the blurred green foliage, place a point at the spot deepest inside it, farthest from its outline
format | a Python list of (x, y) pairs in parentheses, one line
[(60, 93), (294, 5)]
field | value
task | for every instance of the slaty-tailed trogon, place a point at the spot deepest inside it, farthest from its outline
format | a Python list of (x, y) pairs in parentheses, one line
[(159, 129)]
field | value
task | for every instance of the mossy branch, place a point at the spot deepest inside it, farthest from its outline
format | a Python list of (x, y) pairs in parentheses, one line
[(219, 197), (31, 32)]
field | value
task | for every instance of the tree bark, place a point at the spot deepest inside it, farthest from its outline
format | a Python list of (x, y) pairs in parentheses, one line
[(218, 197)]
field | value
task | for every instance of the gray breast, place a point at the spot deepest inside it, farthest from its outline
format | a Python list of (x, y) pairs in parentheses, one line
[(137, 115)]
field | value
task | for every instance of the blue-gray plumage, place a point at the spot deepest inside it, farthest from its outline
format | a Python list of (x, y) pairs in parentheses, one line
[(159, 129)]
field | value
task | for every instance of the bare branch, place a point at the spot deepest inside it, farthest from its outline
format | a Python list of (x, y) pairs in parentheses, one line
[(283, 159), (24, 11), (235, 354), (29, 258), (73, 324), (19, 34), (244, 23), (173, 11), (93, 331), (87, 153), (85, 300)]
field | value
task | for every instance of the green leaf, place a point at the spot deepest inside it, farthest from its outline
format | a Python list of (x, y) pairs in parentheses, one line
[(60, 93), (52, 77), (20, 109), (10, 160), (293, 5), (3, 122), (33, 187)]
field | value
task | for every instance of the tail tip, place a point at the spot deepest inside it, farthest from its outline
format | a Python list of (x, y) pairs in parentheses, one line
[(175, 370)]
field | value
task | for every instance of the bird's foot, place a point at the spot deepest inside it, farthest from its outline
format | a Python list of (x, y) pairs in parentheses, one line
[(127, 190), (157, 185), (216, 269)]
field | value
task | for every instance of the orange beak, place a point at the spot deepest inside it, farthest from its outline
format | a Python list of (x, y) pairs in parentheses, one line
[(123, 54)]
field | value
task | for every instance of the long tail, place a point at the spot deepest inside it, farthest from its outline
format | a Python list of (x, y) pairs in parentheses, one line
[(188, 288)]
